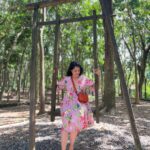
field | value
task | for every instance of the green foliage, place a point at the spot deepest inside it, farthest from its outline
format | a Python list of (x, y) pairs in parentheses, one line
[(76, 41)]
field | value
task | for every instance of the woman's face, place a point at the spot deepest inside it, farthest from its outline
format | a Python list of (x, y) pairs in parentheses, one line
[(75, 72)]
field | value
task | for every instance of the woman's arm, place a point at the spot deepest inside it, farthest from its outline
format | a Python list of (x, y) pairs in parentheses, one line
[(89, 84), (61, 84)]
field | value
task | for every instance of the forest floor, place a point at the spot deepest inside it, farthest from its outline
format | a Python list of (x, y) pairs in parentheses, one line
[(112, 133)]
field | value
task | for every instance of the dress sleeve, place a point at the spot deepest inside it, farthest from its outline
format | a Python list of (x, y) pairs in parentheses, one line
[(88, 82), (89, 85)]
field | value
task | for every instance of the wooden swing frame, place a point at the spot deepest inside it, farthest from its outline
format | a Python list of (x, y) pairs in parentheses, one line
[(35, 25), (57, 22)]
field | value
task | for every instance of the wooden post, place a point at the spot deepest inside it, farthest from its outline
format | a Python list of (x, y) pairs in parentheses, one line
[(121, 74), (55, 69), (95, 56), (32, 81)]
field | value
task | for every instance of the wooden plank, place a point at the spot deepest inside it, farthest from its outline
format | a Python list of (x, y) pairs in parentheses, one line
[(70, 20), (48, 3)]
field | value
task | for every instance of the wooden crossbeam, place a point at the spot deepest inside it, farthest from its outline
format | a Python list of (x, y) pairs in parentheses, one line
[(48, 3), (70, 20)]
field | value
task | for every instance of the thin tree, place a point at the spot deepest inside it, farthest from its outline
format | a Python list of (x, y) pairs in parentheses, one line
[(42, 70)]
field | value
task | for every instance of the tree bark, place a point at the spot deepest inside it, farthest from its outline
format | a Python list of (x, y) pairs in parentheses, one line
[(55, 69), (95, 56), (37, 77), (42, 70), (109, 85), (8, 86), (133, 56), (19, 75), (33, 81), (25, 77), (142, 66), (4, 81), (136, 84), (137, 100)]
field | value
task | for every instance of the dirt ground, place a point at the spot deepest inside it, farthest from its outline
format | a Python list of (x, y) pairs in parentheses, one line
[(112, 133)]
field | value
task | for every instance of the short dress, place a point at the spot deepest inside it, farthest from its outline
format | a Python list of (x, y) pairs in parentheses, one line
[(75, 116)]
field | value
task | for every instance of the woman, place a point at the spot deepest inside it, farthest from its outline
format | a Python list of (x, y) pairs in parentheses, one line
[(76, 116)]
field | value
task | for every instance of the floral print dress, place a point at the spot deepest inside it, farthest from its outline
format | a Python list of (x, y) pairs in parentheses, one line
[(75, 115)]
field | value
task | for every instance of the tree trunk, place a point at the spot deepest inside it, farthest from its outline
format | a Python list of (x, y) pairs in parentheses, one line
[(95, 56), (109, 85), (62, 54), (137, 100), (42, 70), (136, 84), (37, 77), (105, 10), (4, 81), (121, 91), (1, 71), (55, 69), (133, 56), (145, 94), (25, 77), (62, 73), (8, 86), (141, 70), (33, 81), (19, 75)]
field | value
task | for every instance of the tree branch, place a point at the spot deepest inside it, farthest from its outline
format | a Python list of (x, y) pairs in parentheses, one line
[(129, 49)]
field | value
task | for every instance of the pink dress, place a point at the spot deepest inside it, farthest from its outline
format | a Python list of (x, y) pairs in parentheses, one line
[(75, 115)]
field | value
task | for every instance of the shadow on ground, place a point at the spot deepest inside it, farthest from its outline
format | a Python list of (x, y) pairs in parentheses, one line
[(48, 138)]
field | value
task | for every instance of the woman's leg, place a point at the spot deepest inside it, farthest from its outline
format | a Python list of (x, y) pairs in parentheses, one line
[(64, 139), (73, 136)]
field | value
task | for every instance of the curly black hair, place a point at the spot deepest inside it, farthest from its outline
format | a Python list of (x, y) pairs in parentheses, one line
[(72, 65)]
